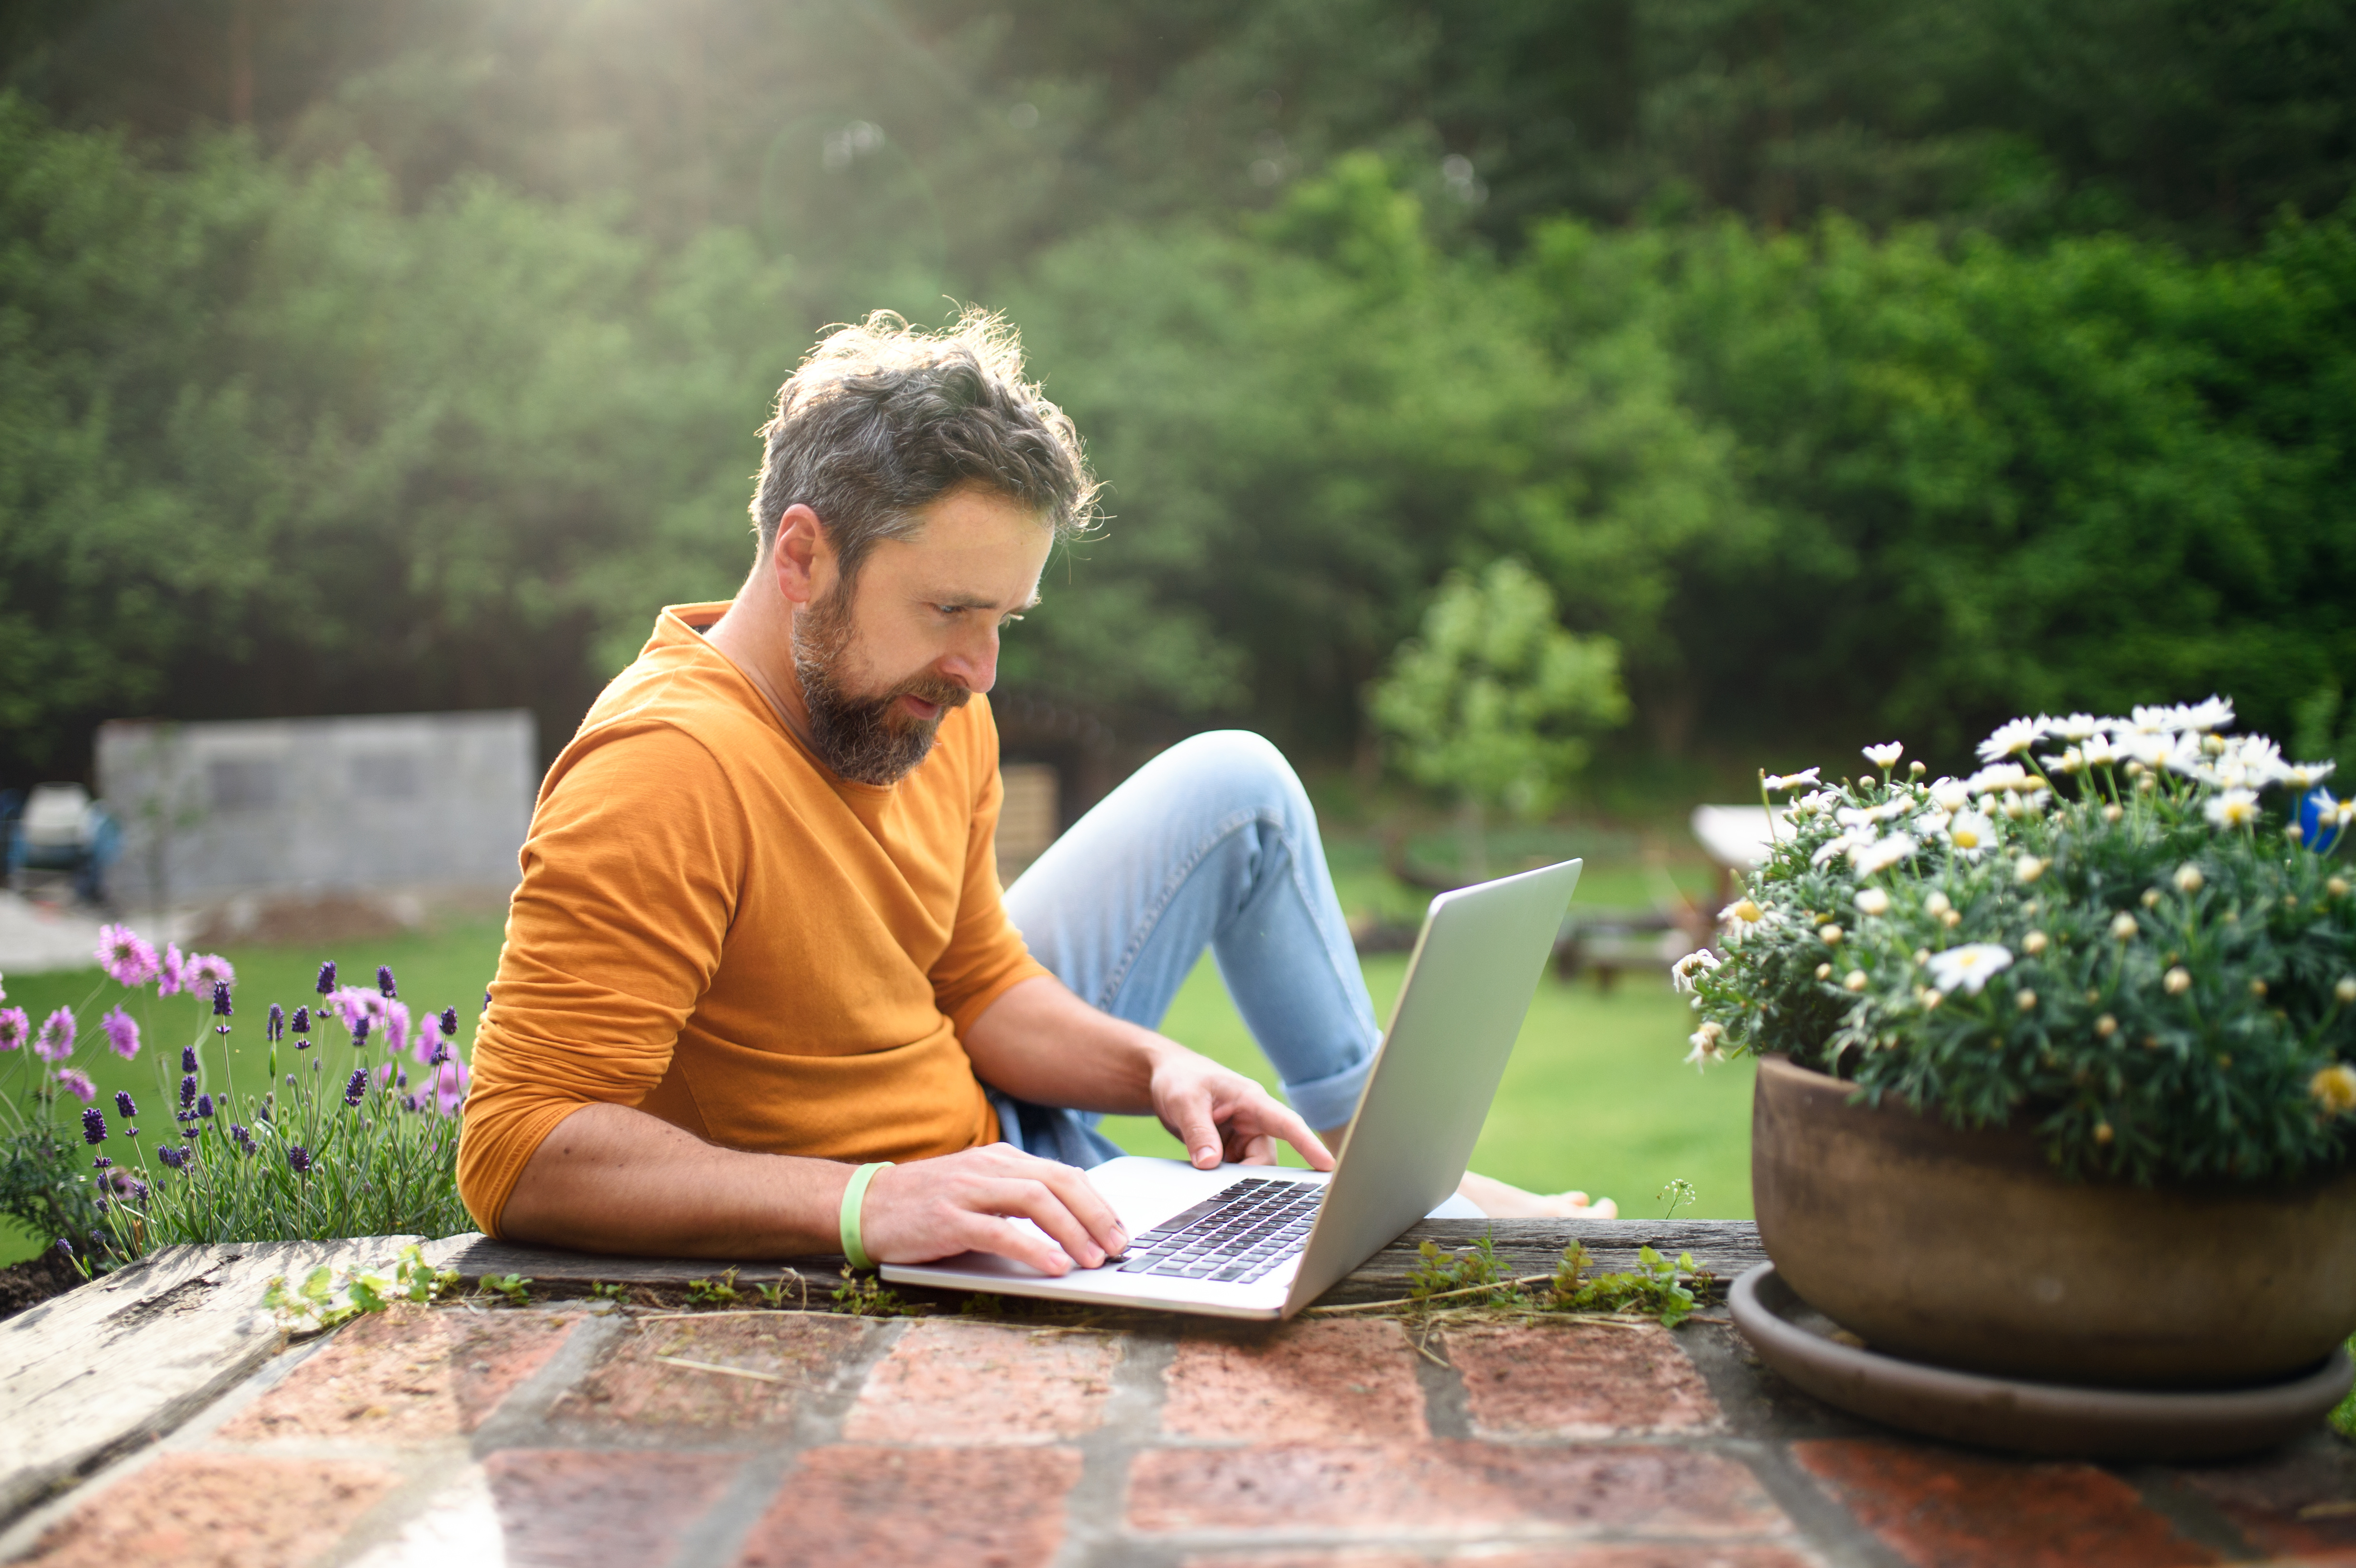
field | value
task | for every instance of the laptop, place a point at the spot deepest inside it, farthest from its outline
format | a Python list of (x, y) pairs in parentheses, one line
[(1263, 1242)]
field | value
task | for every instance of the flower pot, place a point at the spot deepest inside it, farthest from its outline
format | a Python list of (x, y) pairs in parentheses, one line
[(1968, 1250)]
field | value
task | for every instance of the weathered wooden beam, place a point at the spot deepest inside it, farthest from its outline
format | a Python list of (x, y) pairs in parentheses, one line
[(1724, 1247)]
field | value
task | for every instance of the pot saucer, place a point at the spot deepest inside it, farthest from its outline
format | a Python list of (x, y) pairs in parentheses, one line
[(2018, 1416)]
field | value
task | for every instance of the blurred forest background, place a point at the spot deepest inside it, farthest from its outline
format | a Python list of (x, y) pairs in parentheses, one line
[(1855, 369)]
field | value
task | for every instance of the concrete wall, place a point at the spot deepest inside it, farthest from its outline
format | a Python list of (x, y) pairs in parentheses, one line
[(316, 806)]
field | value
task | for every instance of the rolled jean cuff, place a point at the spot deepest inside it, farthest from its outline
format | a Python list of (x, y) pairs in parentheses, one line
[(1329, 1102)]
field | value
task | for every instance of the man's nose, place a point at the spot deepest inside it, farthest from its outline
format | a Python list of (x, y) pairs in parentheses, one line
[(972, 661)]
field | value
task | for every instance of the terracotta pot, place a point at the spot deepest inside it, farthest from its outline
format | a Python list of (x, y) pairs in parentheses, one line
[(1967, 1250)]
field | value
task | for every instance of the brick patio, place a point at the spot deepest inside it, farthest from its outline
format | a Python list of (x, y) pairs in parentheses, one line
[(584, 1434)]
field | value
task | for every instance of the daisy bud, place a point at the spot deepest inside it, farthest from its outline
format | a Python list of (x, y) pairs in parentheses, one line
[(2189, 879), (1931, 1000), (2258, 989), (2113, 812), (1915, 770), (2124, 926), (1854, 980), (2151, 898), (2106, 1027), (1873, 900), (2025, 1000), (1937, 903), (1922, 956), (1824, 971), (2034, 942), (2337, 887), (2334, 1088), (2146, 784), (2135, 769), (2028, 868), (1951, 918), (2102, 1133), (2345, 989), (1830, 935), (2294, 832), (2177, 981), (1746, 911)]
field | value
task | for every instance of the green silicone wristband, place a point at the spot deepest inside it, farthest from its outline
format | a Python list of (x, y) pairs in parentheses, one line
[(853, 1194)]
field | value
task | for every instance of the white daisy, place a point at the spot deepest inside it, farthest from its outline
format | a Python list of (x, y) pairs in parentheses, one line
[(1853, 816), (1838, 845), (2100, 751), (2306, 775), (2012, 737), (1971, 833), (2214, 714), (2232, 807), (1968, 966), (1885, 756), (2077, 727), (1952, 795), (2070, 762), (1682, 973), (1998, 776), (1881, 854), (1792, 781)]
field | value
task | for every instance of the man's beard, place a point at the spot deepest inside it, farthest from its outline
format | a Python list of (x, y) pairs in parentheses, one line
[(866, 740)]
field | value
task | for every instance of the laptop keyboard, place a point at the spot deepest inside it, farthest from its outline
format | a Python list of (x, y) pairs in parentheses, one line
[(1234, 1236)]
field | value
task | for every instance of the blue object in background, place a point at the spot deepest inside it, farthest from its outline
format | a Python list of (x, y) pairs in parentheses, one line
[(2318, 820)]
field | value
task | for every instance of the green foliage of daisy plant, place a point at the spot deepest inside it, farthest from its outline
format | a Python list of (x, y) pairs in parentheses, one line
[(2129, 937)]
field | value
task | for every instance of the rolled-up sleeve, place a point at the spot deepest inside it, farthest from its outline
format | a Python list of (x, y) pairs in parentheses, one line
[(631, 876)]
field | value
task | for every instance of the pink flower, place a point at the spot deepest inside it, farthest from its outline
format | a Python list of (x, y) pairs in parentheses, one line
[(447, 1084), (171, 976), (127, 959), (16, 1027), (57, 1038), (76, 1082), (385, 1017), (207, 970), (122, 1033)]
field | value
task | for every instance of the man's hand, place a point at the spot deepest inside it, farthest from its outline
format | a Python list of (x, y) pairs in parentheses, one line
[(961, 1202), (1219, 1114)]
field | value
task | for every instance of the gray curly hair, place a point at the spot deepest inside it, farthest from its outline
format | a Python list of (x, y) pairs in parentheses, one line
[(883, 418)]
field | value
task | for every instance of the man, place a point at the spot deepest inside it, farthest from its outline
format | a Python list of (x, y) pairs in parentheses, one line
[(759, 940)]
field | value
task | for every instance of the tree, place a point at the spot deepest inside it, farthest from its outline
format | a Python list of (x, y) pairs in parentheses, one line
[(1495, 702)]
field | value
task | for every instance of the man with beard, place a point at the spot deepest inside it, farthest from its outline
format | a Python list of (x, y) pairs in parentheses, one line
[(760, 994)]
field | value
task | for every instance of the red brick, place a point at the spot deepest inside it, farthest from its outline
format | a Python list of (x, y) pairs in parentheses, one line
[(2299, 1503), (567, 1508), (964, 1384), (1335, 1380), (1579, 1380), (1472, 1488), (1650, 1554), (197, 1510), (973, 1508), (1940, 1509), (407, 1374), (635, 1390)]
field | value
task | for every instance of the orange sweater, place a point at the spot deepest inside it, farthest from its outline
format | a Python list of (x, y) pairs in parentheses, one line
[(715, 929)]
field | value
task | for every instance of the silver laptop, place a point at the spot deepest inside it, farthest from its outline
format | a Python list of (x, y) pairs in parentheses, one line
[(1256, 1240)]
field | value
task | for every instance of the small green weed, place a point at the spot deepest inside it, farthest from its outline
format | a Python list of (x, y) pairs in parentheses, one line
[(1447, 1273), (515, 1289), (1652, 1286), (982, 1306), (599, 1290), (866, 1295), (329, 1297), (721, 1292), (1679, 1192), (774, 1295), (2343, 1418)]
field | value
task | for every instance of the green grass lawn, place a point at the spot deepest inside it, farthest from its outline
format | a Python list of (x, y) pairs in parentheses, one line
[(1595, 1096)]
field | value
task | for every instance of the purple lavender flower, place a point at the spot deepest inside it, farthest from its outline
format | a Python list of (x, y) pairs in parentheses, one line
[(122, 1033), (384, 981), (221, 1009), (204, 1106), (357, 1087), (93, 1126), (130, 1132), (441, 1055), (361, 1030), (327, 978), (173, 1158), (101, 1163), (124, 1103), (449, 1022), (65, 1248), (76, 1082), (55, 1042), (301, 1021), (16, 1027), (298, 1159), (187, 1058), (187, 1093), (127, 960), (138, 1191), (274, 1027), (240, 1137)]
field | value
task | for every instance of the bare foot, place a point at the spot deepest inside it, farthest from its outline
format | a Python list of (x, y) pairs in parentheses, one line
[(1502, 1201)]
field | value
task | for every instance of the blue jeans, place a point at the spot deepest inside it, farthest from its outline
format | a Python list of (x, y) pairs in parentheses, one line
[(1212, 844)]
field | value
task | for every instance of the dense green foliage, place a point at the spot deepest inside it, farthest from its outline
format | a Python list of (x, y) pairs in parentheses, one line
[(2141, 965), (1850, 367)]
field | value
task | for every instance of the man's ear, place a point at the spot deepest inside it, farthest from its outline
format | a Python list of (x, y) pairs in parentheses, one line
[(803, 557)]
